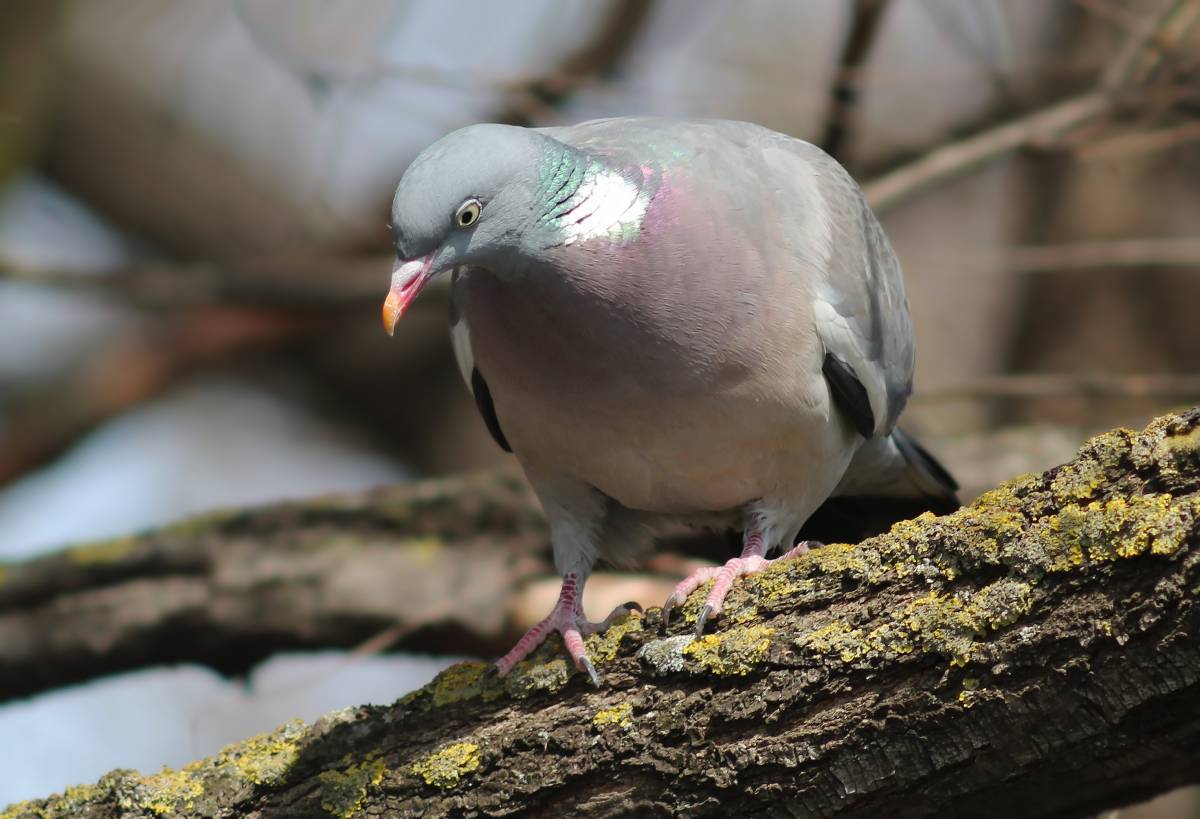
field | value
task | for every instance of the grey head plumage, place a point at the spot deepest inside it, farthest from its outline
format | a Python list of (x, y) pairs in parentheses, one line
[(494, 165)]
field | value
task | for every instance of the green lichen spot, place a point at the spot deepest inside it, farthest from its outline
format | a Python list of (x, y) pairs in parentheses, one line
[(603, 646), (782, 580), (837, 638), (72, 799), (842, 558), (265, 759), (1008, 495), (621, 716), (690, 610), (344, 791), (1078, 481), (446, 768), (461, 682), (171, 791), (1117, 528), (539, 674), (950, 625), (105, 551), (735, 651), (424, 551)]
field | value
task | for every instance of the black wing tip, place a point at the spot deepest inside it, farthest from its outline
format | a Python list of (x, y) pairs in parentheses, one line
[(920, 458), (849, 394), (483, 400)]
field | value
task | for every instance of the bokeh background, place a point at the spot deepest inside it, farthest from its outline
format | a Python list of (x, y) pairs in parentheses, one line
[(193, 198)]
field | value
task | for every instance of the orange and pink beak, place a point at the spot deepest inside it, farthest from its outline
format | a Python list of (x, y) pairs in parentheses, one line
[(408, 279)]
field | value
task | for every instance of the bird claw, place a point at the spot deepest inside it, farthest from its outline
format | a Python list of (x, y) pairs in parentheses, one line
[(672, 602), (568, 620), (585, 664), (705, 613)]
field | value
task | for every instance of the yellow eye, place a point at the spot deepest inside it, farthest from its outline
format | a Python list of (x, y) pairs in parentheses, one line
[(468, 213)]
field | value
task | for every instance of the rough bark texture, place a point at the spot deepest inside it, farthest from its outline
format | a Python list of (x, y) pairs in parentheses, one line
[(1030, 655), (229, 589)]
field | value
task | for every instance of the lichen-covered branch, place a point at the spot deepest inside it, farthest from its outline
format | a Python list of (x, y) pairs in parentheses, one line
[(1033, 654), (229, 589)]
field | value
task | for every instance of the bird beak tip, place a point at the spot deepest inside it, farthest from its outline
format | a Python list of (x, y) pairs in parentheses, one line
[(408, 279), (392, 309)]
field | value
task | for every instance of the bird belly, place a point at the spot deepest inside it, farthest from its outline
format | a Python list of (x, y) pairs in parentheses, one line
[(704, 454), (659, 423)]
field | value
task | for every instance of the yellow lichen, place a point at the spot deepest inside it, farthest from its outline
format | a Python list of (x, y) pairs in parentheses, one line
[(1078, 481), (172, 791), (424, 551), (734, 651), (539, 674), (1008, 494), (603, 646), (945, 624), (837, 638), (1107, 530), (59, 805), (344, 791), (461, 682), (446, 768), (104, 551), (839, 558), (265, 759), (782, 579), (620, 715)]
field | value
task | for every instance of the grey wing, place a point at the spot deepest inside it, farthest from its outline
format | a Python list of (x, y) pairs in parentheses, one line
[(460, 340), (860, 305)]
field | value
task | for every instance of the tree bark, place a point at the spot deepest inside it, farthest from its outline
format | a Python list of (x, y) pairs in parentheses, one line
[(229, 589), (1032, 654)]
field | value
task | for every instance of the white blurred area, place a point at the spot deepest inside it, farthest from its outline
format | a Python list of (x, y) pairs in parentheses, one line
[(210, 443), (173, 716)]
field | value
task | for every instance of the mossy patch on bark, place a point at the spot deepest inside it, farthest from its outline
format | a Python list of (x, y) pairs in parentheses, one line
[(344, 790), (446, 768)]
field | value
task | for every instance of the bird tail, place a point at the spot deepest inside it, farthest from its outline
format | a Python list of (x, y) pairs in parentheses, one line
[(889, 479), (925, 471)]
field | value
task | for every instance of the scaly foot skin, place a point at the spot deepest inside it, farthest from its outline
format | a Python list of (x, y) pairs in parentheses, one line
[(568, 620), (750, 562)]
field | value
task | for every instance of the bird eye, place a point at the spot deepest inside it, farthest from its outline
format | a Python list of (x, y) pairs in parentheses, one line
[(468, 213)]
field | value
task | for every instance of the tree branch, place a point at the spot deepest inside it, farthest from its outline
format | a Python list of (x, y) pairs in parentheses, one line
[(1132, 68), (229, 589), (1030, 655)]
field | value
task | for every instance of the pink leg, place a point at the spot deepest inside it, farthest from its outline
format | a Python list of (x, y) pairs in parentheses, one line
[(568, 620), (751, 561)]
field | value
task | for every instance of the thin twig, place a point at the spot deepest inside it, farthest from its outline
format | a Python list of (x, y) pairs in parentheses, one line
[(1138, 143), (1107, 10), (955, 158), (843, 104), (1181, 251), (314, 282), (1133, 65), (1067, 385)]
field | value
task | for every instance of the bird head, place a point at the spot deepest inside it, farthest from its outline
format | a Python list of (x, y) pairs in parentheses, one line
[(465, 200)]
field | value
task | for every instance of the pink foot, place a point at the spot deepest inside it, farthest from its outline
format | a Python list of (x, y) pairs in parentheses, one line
[(568, 620), (750, 562)]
